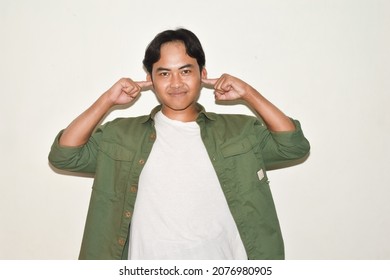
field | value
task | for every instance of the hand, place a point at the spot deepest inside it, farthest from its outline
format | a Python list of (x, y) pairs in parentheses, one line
[(125, 91), (80, 130), (231, 88), (228, 87)]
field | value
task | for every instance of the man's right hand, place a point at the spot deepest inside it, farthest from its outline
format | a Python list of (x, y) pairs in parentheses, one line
[(122, 92), (126, 90)]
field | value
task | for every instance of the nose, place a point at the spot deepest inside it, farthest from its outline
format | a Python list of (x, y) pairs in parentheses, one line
[(176, 81)]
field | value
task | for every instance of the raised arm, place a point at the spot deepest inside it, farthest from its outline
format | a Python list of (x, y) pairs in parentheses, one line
[(122, 92), (228, 87)]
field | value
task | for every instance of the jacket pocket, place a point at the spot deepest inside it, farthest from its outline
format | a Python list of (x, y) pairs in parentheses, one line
[(113, 169), (238, 147), (243, 165), (116, 152)]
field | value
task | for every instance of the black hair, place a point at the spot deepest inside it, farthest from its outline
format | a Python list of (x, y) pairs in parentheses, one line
[(191, 42)]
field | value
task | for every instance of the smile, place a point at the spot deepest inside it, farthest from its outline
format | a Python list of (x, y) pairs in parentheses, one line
[(177, 93)]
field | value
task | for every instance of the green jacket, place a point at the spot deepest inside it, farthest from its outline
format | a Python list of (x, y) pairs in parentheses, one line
[(240, 147)]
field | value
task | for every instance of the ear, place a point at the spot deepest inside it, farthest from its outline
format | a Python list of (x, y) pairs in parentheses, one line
[(203, 73), (150, 79)]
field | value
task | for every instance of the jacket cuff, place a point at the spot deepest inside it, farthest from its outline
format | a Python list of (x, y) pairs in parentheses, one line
[(289, 138)]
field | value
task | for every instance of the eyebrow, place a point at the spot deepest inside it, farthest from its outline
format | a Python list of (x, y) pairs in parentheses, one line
[(159, 69)]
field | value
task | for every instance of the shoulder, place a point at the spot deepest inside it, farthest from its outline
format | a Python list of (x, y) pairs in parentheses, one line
[(120, 122), (234, 121), (234, 117), (123, 126)]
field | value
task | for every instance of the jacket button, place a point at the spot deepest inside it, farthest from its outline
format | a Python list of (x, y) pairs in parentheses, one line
[(127, 214), (121, 241), (152, 136), (141, 161), (133, 189)]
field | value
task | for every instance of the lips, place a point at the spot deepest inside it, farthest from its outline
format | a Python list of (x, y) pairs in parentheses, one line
[(177, 93)]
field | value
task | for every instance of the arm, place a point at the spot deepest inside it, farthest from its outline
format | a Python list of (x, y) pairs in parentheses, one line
[(283, 147), (231, 88), (80, 130)]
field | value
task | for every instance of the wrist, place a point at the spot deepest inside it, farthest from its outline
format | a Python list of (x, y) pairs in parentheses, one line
[(107, 99), (251, 95)]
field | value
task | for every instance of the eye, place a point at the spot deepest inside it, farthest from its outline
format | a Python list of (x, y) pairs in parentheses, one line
[(186, 72), (164, 74)]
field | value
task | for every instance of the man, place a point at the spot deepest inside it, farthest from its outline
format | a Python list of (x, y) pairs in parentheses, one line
[(180, 183)]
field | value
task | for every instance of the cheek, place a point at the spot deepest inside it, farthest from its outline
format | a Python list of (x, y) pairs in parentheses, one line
[(195, 83), (159, 85)]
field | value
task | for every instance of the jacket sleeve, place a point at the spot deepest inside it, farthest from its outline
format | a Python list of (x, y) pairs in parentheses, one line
[(279, 148), (76, 159)]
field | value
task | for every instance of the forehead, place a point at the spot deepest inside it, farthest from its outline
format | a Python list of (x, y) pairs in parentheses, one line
[(174, 54), (173, 46)]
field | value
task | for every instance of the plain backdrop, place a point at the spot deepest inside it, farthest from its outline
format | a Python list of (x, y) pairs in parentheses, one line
[(325, 63)]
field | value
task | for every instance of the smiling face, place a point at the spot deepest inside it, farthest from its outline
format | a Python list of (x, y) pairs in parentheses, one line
[(177, 82)]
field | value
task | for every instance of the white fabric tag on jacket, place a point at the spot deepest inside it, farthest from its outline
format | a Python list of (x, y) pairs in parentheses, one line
[(260, 174)]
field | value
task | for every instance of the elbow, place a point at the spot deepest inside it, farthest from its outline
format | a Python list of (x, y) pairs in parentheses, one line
[(305, 148)]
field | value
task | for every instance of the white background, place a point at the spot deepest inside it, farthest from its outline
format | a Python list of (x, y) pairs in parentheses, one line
[(325, 63)]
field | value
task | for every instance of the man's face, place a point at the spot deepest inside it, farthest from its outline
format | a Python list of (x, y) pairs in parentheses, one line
[(177, 81)]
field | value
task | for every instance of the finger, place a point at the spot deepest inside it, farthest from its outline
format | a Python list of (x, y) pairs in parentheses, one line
[(220, 85), (130, 88), (226, 87), (132, 92), (209, 82), (144, 85), (224, 84)]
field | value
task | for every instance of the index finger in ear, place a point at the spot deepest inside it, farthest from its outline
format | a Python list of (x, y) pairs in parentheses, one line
[(209, 82), (144, 85)]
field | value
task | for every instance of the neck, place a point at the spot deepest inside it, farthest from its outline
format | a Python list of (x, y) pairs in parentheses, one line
[(189, 114)]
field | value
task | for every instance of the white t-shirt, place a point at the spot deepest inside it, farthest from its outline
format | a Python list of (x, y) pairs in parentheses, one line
[(181, 211)]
